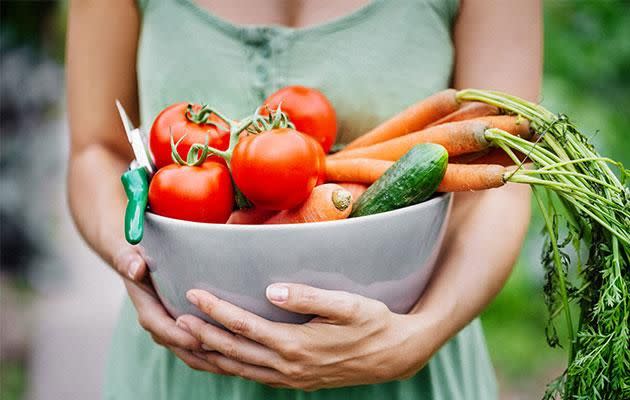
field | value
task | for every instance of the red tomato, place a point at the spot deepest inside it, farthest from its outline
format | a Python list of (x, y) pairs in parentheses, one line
[(310, 111), (174, 119), (277, 169), (201, 194)]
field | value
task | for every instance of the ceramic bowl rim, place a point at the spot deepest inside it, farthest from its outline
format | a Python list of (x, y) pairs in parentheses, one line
[(310, 225)]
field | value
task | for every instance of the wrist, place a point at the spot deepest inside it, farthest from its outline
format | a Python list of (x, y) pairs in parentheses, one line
[(430, 327)]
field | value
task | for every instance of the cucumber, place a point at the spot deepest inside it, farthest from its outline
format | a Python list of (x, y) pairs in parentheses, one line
[(410, 180)]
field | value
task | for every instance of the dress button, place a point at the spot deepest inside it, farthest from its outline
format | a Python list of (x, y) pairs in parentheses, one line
[(254, 36), (265, 51), (262, 72)]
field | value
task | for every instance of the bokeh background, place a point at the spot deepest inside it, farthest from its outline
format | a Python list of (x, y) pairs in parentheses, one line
[(58, 300)]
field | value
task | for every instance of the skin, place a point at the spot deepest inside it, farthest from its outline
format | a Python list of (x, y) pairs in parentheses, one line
[(354, 340)]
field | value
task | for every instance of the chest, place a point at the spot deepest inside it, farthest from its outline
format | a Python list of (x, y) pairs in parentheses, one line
[(291, 13)]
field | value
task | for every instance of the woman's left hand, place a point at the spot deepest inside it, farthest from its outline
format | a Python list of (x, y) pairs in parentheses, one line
[(352, 341)]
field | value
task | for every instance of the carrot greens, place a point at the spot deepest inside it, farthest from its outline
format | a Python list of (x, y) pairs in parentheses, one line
[(585, 209)]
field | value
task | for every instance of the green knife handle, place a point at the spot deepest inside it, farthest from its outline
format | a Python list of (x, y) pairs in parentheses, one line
[(136, 184)]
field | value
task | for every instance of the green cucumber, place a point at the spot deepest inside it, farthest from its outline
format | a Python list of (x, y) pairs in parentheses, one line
[(411, 180)]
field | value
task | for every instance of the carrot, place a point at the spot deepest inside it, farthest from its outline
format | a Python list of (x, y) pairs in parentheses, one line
[(457, 137), (487, 156), (497, 156), (469, 158), (465, 177), (513, 124), (250, 216), (468, 110), (458, 177), (327, 202), (414, 118), (359, 170), (355, 189)]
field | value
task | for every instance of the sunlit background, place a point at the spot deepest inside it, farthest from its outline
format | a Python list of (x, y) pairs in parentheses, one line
[(59, 302)]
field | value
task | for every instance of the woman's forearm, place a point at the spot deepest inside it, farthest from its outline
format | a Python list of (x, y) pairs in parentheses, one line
[(97, 199), (100, 66), (487, 228), (483, 240)]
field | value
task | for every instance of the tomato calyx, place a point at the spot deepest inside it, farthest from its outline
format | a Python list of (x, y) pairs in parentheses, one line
[(274, 119)]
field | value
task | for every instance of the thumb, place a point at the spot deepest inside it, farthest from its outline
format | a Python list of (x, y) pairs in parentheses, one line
[(331, 304), (130, 264)]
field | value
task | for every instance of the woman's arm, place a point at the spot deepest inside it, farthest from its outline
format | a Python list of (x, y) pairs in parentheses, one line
[(355, 340), (101, 57), (100, 69), (498, 46)]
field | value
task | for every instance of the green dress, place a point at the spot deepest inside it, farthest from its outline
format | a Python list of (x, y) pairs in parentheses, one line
[(371, 64)]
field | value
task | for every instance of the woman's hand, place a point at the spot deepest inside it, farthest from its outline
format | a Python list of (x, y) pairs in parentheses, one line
[(152, 315), (352, 341)]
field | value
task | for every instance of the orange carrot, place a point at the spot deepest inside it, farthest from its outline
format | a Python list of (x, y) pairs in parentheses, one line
[(466, 177), (412, 119), (469, 158), (513, 124), (459, 137), (458, 177), (487, 156), (355, 189), (497, 156), (327, 202), (360, 170), (250, 216), (468, 110)]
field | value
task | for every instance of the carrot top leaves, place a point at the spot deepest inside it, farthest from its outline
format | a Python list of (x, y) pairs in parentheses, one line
[(586, 212)]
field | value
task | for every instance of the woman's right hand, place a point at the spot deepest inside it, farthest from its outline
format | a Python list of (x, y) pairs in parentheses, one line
[(152, 315)]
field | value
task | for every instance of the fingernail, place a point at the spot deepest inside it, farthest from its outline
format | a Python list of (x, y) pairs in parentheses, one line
[(277, 293), (133, 269), (199, 354), (206, 348), (182, 325), (190, 295)]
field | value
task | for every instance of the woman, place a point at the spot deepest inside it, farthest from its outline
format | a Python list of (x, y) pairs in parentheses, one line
[(371, 59)]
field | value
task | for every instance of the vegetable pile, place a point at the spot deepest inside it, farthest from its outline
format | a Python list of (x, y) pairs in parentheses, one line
[(271, 167)]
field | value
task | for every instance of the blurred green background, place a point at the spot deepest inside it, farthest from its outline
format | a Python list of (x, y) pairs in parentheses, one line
[(587, 76)]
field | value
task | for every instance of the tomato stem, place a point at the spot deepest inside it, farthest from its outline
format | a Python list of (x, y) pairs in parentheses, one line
[(235, 130), (193, 158), (202, 116), (253, 124)]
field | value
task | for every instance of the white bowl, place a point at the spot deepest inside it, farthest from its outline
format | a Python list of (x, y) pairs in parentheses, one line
[(388, 256)]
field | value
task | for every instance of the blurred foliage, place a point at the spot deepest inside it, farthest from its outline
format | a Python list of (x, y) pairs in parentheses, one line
[(513, 322), (587, 67), (39, 25), (12, 380)]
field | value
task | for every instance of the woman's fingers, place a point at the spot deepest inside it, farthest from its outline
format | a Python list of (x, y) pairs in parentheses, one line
[(153, 317), (130, 264), (331, 304), (241, 322), (197, 361), (232, 346), (259, 374)]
